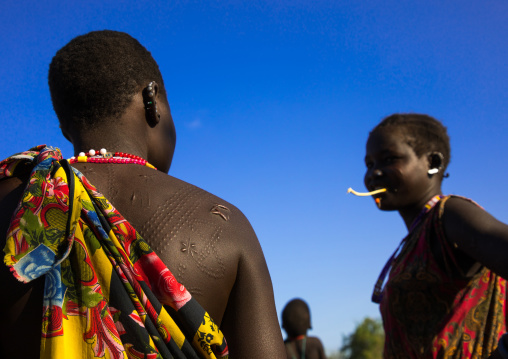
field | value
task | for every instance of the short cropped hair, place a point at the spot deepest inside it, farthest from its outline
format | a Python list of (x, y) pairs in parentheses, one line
[(424, 133), (296, 317), (95, 75)]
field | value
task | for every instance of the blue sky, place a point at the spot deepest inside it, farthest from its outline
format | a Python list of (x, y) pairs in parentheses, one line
[(273, 102)]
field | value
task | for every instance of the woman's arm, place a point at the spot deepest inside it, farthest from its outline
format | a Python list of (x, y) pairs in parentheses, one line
[(501, 353), (250, 321)]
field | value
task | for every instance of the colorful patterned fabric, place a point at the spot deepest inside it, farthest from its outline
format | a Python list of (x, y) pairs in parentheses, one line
[(430, 309), (104, 286)]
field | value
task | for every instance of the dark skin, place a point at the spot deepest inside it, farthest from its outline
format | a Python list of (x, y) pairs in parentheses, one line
[(478, 237), (206, 242), (296, 333), (496, 354)]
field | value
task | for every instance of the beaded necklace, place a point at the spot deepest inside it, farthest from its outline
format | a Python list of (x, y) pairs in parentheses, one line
[(103, 156)]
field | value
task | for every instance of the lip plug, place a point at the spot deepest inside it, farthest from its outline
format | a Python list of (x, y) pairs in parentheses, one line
[(363, 194)]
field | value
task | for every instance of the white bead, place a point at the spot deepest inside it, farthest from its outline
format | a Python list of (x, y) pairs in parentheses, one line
[(91, 152), (81, 154), (103, 151)]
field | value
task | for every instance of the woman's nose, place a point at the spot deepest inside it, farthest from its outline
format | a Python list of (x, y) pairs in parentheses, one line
[(372, 174)]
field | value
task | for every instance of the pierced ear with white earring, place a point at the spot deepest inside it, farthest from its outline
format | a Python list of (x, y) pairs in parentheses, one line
[(436, 163)]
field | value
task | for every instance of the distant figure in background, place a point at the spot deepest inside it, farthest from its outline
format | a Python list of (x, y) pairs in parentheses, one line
[(445, 295), (88, 241), (296, 322)]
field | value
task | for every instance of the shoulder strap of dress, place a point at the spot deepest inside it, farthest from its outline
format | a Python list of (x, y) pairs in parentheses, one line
[(290, 349)]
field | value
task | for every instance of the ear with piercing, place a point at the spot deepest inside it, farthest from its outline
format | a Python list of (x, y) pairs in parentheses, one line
[(150, 103), (436, 160)]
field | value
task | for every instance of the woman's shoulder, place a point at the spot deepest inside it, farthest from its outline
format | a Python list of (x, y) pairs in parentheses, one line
[(206, 201), (458, 208), (475, 232)]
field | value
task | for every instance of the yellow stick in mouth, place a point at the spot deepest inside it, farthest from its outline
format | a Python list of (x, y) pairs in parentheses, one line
[(363, 194)]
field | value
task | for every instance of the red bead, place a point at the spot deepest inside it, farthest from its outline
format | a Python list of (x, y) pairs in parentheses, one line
[(118, 157)]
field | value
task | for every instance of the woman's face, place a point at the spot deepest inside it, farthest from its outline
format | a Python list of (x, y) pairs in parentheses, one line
[(393, 164)]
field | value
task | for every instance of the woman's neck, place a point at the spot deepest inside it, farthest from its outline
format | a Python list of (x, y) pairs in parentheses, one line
[(112, 144), (410, 214)]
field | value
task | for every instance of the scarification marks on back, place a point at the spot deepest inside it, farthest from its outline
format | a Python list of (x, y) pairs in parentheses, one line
[(179, 215), (207, 257), (171, 216), (221, 211)]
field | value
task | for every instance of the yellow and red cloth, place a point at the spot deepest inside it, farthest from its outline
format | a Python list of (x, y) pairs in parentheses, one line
[(104, 286)]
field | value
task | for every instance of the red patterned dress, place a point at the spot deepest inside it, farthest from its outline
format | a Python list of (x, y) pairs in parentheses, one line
[(430, 309)]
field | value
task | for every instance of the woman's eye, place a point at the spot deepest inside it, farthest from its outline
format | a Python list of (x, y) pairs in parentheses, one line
[(389, 159)]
